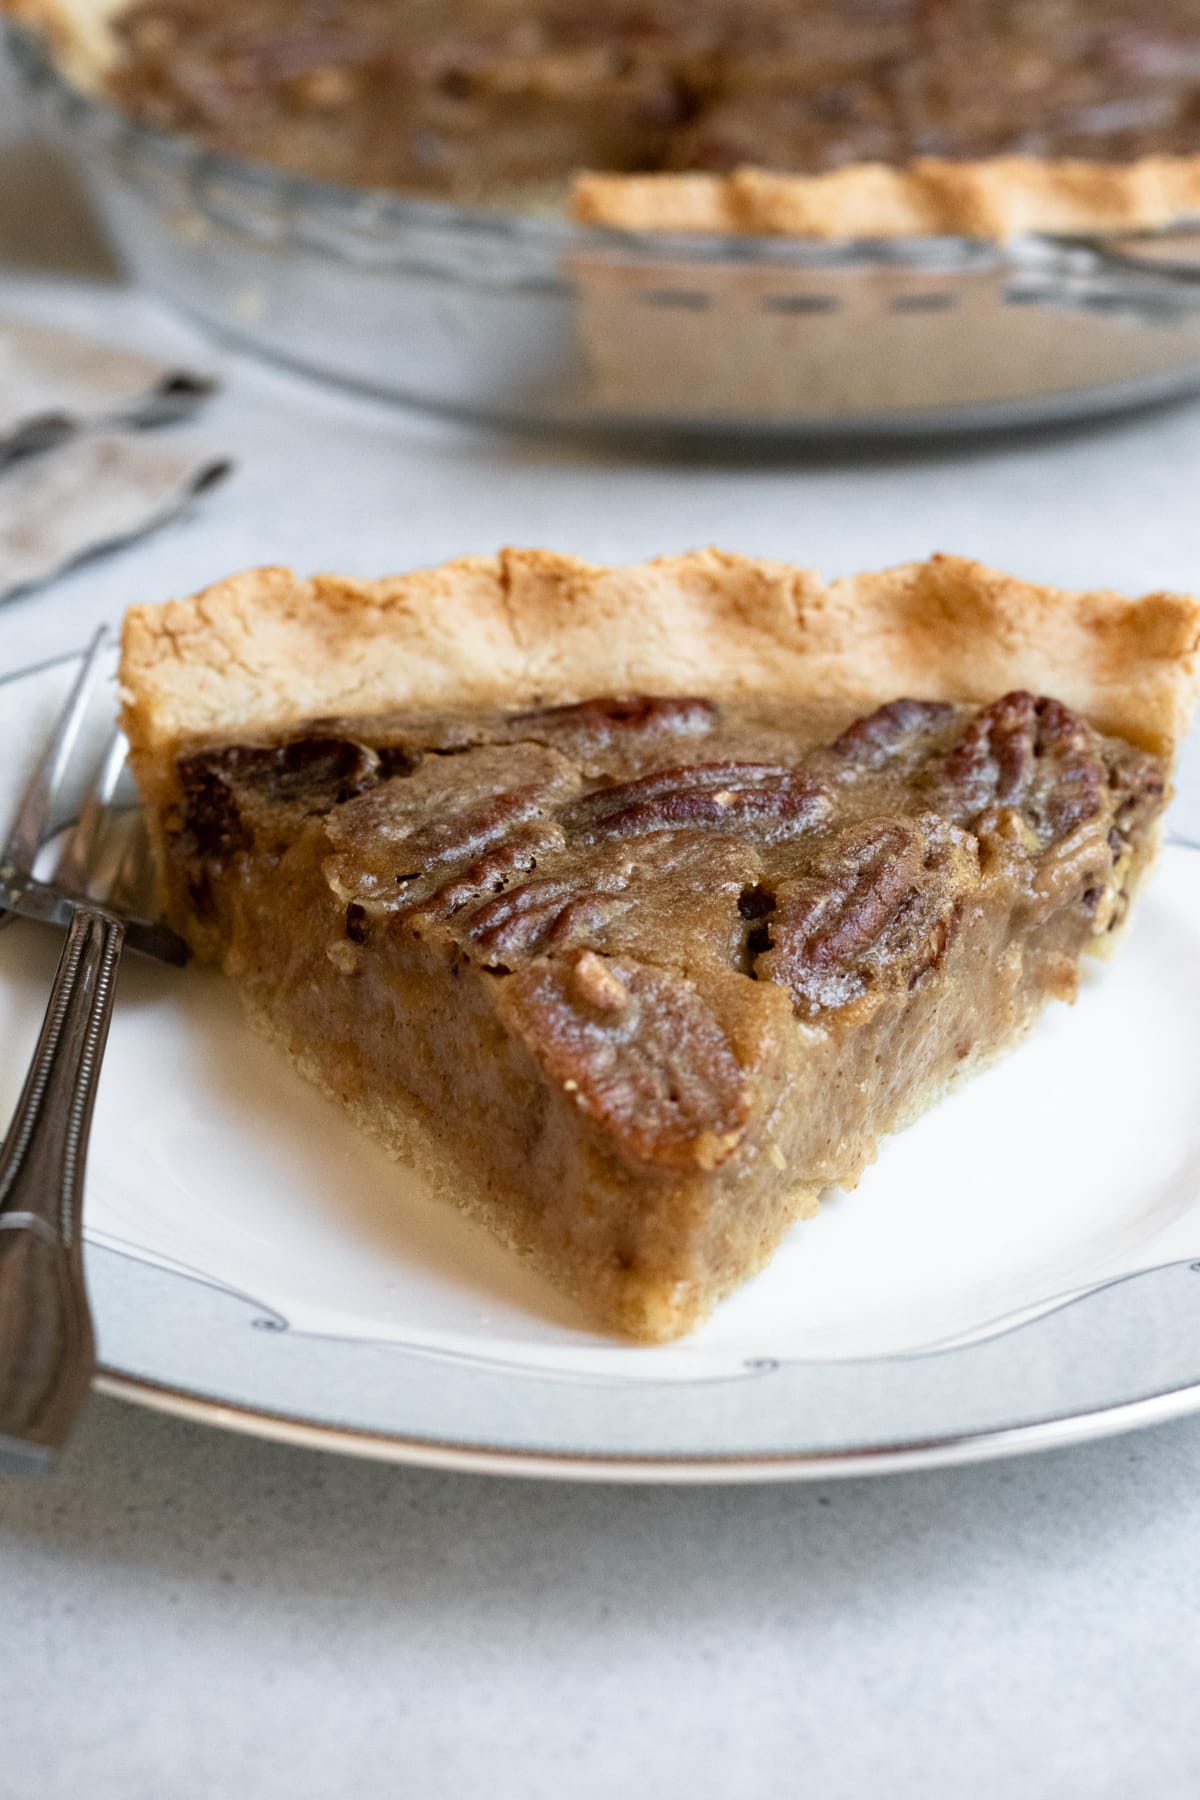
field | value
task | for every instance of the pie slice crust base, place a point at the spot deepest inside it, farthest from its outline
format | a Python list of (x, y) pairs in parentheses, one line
[(643, 1097)]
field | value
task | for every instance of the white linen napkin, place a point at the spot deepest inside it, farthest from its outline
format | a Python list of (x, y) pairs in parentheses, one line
[(53, 384), (78, 474), (90, 494)]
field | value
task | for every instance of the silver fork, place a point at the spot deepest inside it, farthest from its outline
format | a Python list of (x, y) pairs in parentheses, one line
[(47, 1345)]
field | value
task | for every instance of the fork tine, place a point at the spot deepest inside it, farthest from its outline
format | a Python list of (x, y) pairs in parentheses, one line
[(133, 872), (77, 864), (33, 814)]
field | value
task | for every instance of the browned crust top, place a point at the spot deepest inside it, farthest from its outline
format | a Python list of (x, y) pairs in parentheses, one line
[(267, 648), (79, 31), (998, 198)]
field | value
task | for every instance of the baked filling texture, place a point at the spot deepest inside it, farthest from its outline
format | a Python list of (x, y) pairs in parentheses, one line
[(500, 101), (634, 976)]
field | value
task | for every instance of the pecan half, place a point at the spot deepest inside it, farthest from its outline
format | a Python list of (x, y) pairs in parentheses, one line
[(1032, 754), (877, 909), (721, 794), (1137, 783), (592, 726), (473, 829), (872, 741), (451, 811), (545, 913), (487, 875), (1077, 869), (639, 1051)]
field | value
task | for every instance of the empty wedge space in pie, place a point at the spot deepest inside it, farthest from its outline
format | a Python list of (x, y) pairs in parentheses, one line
[(635, 907)]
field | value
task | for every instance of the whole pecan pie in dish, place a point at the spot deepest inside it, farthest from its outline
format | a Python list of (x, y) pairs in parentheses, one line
[(636, 906), (818, 117)]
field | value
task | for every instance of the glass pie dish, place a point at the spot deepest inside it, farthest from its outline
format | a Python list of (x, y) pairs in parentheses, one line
[(537, 321)]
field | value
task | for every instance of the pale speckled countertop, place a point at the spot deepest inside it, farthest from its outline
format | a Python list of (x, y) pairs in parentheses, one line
[(185, 1614)]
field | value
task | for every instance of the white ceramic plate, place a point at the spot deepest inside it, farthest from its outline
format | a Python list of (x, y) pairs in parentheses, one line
[(1017, 1269)]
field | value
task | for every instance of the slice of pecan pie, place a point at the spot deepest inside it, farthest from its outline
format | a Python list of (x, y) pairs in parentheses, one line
[(638, 905)]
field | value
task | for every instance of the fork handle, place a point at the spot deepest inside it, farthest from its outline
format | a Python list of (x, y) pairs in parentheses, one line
[(47, 1348)]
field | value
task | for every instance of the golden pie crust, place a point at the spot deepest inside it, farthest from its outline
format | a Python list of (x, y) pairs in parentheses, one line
[(79, 31), (999, 198), (267, 647)]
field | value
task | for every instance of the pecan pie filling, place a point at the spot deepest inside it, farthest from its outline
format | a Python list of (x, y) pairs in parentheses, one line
[(478, 99), (666, 968)]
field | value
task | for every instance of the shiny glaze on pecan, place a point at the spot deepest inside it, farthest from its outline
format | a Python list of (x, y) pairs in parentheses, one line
[(539, 915), (592, 728), (779, 801), (1035, 755), (886, 733), (1052, 800), (877, 909), (399, 841), (838, 872), (636, 1049), (488, 874)]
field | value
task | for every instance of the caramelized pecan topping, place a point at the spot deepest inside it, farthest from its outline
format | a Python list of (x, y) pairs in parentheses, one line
[(474, 829), (727, 795), (398, 843), (540, 840), (642, 891), (544, 914), (902, 724), (638, 1050), (591, 727), (1034, 755), (488, 874), (1077, 868), (1138, 785), (472, 100), (877, 909)]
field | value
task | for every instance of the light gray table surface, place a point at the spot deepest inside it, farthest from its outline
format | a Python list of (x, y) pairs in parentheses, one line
[(185, 1614)]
